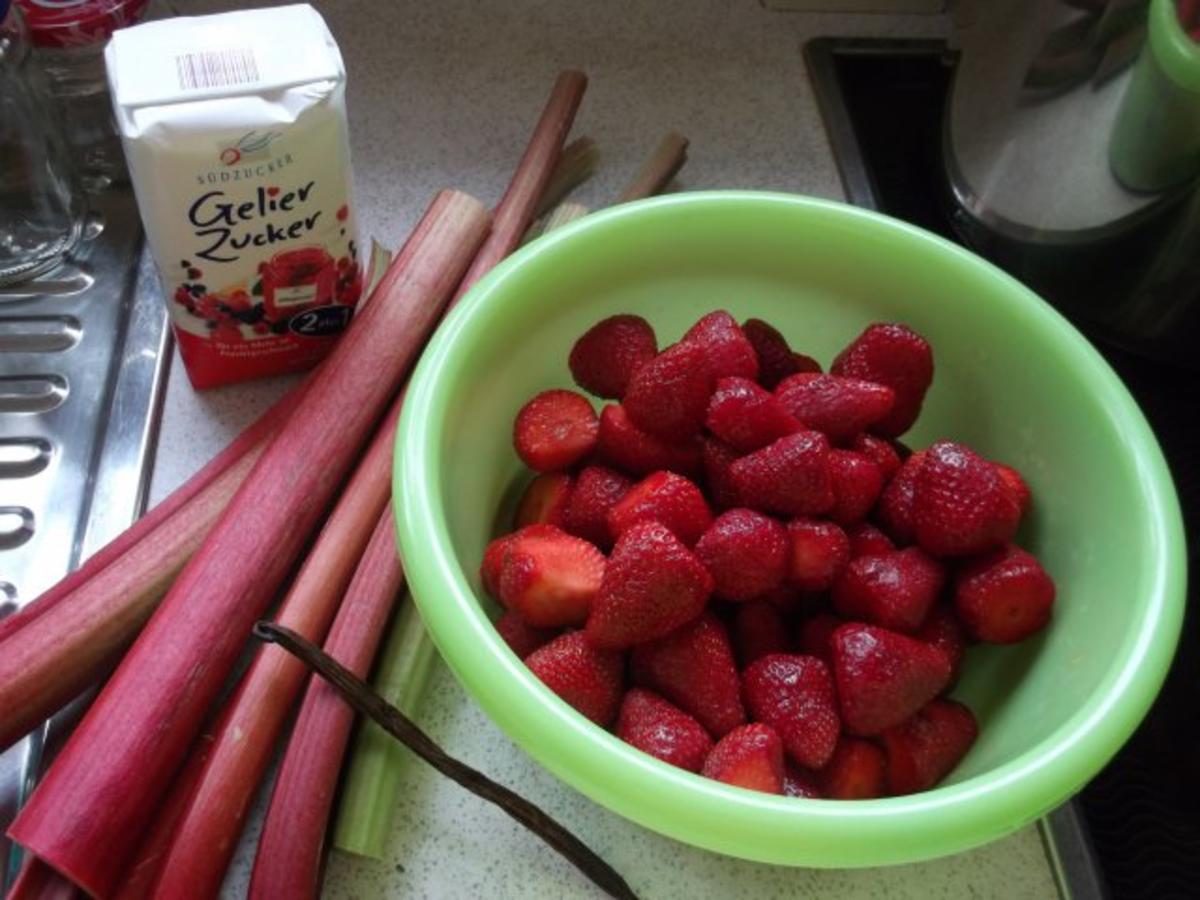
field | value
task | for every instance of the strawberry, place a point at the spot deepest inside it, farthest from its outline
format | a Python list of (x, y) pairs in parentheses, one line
[(789, 477), (523, 639), (895, 590), (718, 457), (544, 501), (668, 395), (1004, 596), (924, 749), (776, 361), (883, 677), (896, 356), (727, 352), (961, 505), (855, 772), (694, 669), (758, 629), (550, 578), (493, 564), (745, 416), (879, 451), (867, 540), (836, 406), (745, 552), (895, 509), (785, 598), (750, 757), (820, 550), (624, 446), (666, 498), (663, 730), (857, 484), (794, 695), (799, 783), (604, 358), (652, 585), (587, 678), (942, 630), (816, 635), (595, 492), (555, 430), (1016, 485)]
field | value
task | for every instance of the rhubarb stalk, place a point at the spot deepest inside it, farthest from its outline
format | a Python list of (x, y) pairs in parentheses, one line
[(37, 881), (520, 202), (88, 814), (288, 863), (657, 171), (575, 166)]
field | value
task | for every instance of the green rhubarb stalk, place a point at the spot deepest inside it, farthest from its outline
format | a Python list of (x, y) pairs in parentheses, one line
[(364, 819)]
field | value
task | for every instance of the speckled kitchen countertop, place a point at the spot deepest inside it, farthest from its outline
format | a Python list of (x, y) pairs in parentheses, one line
[(445, 94)]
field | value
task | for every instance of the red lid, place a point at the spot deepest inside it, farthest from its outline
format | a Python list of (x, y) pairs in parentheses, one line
[(78, 23)]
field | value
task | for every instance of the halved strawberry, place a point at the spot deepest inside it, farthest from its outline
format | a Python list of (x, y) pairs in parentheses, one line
[(867, 540), (789, 477), (820, 551), (745, 552), (544, 501), (550, 578), (758, 630), (880, 451), (555, 430), (718, 457), (663, 730), (794, 695), (666, 498), (493, 565), (587, 678), (961, 504), (624, 446), (883, 677), (799, 782), (750, 757), (857, 483), (894, 590), (924, 749), (746, 416), (838, 407), (855, 772), (694, 668), (1016, 485), (652, 585), (603, 359), (896, 356), (895, 508), (943, 630), (816, 635), (521, 637), (727, 352), (668, 395), (776, 361), (596, 491), (1004, 596)]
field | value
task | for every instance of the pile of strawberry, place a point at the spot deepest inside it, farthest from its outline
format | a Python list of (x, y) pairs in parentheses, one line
[(740, 568)]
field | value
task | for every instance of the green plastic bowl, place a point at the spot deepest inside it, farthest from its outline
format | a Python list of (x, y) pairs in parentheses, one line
[(1014, 380)]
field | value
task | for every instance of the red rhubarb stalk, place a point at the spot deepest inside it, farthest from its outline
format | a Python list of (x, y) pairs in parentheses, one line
[(87, 816), (53, 658), (288, 863), (37, 881), (520, 202), (205, 835)]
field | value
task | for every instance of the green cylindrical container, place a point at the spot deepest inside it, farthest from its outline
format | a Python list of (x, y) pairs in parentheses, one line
[(1155, 143)]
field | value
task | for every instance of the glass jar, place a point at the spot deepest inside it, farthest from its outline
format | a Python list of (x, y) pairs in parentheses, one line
[(68, 37), (41, 207)]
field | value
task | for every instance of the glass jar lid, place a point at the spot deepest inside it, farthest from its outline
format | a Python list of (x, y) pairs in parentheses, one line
[(77, 23)]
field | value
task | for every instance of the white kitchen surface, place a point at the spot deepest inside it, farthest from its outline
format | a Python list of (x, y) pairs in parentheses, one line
[(445, 94)]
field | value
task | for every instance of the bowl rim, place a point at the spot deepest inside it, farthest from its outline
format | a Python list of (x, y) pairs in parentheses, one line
[(944, 820)]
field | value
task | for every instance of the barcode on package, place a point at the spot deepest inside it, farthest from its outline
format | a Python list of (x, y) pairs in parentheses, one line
[(216, 68)]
